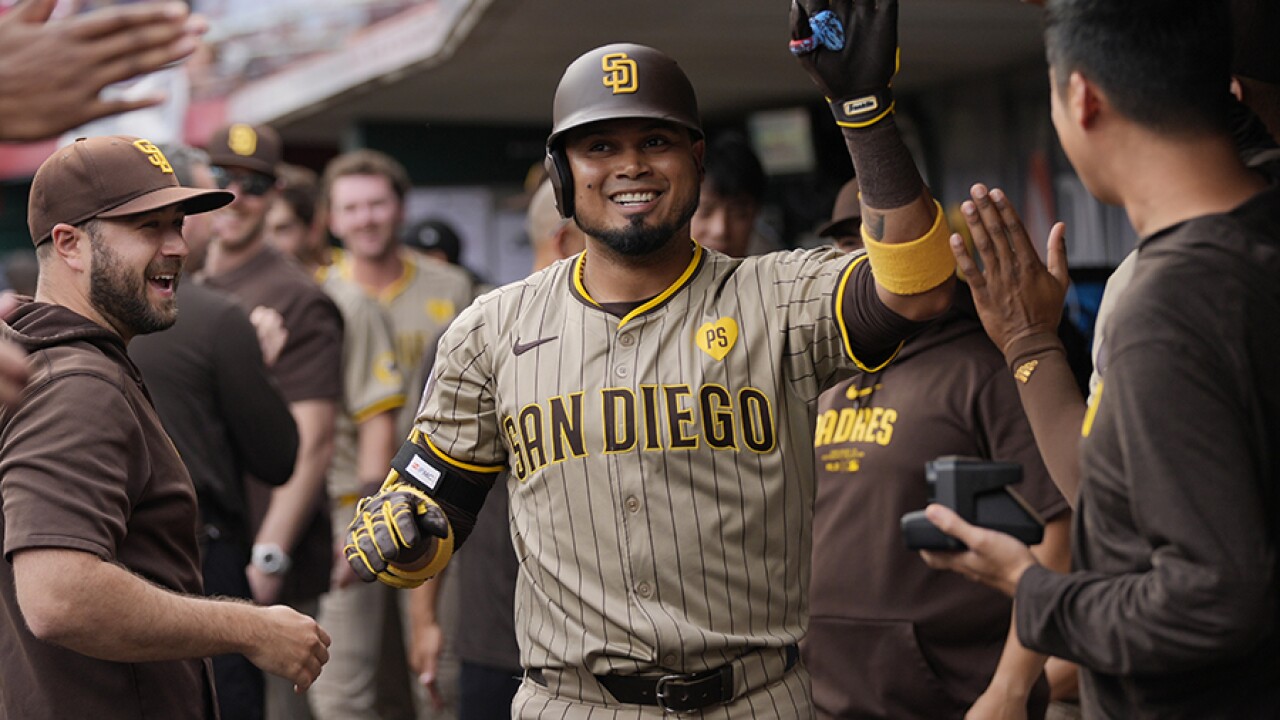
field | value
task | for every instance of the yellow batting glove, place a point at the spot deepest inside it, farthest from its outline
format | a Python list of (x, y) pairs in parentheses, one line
[(397, 525)]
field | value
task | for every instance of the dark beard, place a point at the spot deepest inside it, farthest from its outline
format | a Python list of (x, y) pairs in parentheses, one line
[(122, 296), (638, 239)]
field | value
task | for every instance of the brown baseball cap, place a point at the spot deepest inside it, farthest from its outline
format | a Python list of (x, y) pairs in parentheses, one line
[(253, 147), (107, 177), (848, 208)]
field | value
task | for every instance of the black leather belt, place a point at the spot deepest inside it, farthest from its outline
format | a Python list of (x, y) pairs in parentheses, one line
[(673, 692)]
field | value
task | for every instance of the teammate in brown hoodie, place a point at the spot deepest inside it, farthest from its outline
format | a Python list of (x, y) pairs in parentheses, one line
[(100, 580), (888, 636)]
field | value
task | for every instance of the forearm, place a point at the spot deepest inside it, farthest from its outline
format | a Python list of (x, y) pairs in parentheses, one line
[(1053, 405), (1019, 667), (293, 503), (896, 205), (423, 602), (97, 608), (376, 443), (897, 209)]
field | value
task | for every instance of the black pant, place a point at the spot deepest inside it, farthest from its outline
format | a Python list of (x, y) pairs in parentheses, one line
[(239, 682), (485, 692)]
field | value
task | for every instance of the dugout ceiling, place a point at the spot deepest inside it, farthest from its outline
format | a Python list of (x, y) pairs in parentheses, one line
[(496, 62)]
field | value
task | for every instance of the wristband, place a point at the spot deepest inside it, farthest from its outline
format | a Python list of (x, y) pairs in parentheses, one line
[(863, 111), (913, 267)]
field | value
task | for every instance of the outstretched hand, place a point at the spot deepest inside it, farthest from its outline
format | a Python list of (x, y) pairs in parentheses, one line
[(852, 61), (51, 73), (1016, 294)]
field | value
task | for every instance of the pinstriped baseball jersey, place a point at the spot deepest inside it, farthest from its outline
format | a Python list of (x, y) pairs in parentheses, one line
[(372, 382), (661, 477), (420, 304)]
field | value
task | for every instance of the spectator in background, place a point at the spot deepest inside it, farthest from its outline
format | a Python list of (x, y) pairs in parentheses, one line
[(364, 441), (364, 192), (732, 194), (291, 557), (844, 229), (438, 240)]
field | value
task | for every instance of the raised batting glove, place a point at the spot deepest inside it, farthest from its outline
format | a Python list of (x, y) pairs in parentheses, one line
[(396, 525), (855, 76)]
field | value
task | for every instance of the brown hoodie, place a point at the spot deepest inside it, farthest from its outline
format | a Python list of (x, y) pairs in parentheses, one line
[(86, 466), (888, 637)]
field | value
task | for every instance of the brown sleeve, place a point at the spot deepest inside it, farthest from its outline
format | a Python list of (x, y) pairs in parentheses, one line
[(66, 461), (310, 366), (875, 332), (1051, 399)]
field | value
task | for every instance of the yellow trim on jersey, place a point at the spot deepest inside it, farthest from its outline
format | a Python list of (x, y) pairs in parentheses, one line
[(1087, 426), (417, 435), (841, 288), (913, 267), (388, 403), (408, 269), (662, 297)]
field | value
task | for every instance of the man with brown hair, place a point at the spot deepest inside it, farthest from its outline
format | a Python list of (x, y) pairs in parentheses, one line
[(364, 192), (100, 584)]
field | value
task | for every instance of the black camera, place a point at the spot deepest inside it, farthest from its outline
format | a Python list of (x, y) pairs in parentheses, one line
[(978, 490)]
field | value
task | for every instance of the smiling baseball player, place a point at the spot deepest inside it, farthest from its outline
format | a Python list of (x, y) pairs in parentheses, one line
[(649, 401)]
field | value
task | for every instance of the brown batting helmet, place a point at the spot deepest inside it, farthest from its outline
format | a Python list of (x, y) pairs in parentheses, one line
[(616, 82)]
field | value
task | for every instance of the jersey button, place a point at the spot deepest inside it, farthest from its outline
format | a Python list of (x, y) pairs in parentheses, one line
[(633, 504), (644, 590), (626, 340), (621, 371), (669, 660)]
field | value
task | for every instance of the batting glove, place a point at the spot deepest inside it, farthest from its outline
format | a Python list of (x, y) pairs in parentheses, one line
[(851, 52), (396, 525)]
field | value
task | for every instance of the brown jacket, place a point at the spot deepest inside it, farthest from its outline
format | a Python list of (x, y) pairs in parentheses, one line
[(85, 465)]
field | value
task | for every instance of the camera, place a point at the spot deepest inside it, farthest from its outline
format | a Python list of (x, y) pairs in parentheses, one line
[(979, 491)]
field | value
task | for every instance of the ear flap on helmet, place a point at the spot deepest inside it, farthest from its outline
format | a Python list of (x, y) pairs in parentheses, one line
[(557, 165)]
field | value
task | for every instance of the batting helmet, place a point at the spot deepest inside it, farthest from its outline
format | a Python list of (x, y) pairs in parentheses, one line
[(615, 82)]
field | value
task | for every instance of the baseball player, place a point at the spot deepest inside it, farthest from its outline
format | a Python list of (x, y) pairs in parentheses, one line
[(1172, 609), (650, 400)]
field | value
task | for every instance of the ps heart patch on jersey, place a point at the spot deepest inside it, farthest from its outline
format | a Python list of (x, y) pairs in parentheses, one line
[(718, 338)]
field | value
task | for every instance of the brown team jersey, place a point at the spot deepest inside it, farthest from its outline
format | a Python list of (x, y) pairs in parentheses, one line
[(889, 637), (86, 466), (310, 365), (309, 368), (661, 481)]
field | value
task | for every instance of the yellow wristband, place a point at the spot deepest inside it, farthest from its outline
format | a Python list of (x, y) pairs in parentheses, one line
[(914, 267)]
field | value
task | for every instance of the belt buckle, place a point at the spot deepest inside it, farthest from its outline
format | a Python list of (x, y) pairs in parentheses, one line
[(660, 693)]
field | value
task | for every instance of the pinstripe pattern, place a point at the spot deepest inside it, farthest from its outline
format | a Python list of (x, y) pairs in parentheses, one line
[(654, 557)]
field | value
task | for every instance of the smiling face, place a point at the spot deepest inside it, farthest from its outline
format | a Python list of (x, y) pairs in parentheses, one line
[(365, 213), (635, 182), (239, 225), (136, 264)]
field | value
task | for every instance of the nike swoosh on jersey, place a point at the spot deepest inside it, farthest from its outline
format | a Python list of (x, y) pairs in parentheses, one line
[(520, 349)]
